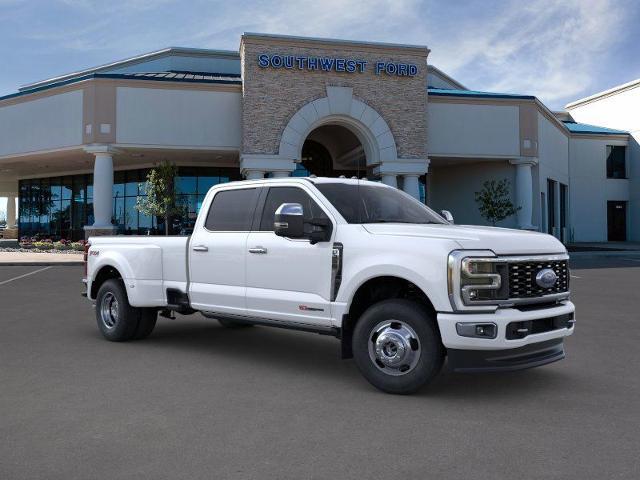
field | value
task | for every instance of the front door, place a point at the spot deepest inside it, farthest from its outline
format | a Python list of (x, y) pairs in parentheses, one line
[(288, 280), (217, 256), (617, 221)]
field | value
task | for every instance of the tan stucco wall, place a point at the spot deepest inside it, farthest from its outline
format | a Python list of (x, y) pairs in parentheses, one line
[(272, 96)]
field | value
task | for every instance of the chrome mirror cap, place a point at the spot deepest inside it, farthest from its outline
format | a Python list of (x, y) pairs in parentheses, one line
[(446, 214), (290, 209)]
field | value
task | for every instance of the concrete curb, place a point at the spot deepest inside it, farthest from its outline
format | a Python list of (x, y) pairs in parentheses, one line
[(41, 264)]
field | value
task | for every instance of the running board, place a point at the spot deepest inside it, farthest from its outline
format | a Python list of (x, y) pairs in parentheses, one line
[(266, 322)]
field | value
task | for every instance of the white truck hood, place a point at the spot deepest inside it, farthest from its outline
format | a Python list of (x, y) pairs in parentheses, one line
[(502, 241)]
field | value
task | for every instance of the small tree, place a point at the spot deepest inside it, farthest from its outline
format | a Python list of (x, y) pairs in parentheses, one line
[(494, 201), (161, 199)]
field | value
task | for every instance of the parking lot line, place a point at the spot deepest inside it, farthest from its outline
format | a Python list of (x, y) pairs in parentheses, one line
[(25, 275)]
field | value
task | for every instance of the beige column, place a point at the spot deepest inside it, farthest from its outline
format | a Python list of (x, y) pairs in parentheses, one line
[(411, 185), (253, 174), (11, 212), (524, 191), (102, 190), (390, 179)]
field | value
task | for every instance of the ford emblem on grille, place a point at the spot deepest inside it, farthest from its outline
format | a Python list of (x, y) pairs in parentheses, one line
[(546, 278)]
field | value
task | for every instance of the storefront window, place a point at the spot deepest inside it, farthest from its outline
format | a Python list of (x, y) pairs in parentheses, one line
[(59, 207)]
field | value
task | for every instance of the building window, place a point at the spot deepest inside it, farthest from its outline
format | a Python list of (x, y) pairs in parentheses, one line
[(59, 207), (616, 161)]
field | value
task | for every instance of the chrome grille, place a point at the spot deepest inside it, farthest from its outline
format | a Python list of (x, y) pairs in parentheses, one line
[(522, 278)]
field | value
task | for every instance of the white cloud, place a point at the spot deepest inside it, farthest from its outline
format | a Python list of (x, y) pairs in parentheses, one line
[(545, 48), (548, 48)]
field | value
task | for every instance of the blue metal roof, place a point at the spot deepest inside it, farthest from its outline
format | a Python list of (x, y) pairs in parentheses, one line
[(444, 92), (575, 127), (188, 77)]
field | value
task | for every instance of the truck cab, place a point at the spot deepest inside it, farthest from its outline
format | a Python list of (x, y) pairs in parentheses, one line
[(401, 287)]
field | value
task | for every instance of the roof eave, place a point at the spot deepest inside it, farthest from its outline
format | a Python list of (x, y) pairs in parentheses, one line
[(130, 61), (603, 94)]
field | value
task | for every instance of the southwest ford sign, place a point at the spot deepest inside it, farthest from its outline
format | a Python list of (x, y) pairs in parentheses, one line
[(334, 64)]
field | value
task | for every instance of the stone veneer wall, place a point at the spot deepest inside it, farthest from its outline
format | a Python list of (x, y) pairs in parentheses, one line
[(272, 96)]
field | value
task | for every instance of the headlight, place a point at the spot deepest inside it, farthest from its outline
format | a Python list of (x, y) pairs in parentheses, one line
[(475, 280)]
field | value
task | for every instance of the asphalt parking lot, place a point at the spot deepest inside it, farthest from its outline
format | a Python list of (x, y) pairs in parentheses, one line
[(196, 400)]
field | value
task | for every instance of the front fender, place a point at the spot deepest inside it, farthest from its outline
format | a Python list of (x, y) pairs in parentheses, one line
[(434, 286)]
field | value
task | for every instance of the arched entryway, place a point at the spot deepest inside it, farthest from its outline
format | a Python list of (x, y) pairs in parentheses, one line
[(332, 151), (338, 135)]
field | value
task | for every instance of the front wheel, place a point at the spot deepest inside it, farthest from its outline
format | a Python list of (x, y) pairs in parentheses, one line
[(396, 346)]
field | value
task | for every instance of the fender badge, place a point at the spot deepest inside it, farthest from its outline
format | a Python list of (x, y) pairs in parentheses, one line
[(310, 309)]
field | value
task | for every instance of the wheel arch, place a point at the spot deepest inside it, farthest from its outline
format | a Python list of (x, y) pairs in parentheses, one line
[(373, 290), (104, 273)]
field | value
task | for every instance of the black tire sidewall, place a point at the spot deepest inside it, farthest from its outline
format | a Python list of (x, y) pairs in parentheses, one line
[(128, 317), (423, 323), (146, 323)]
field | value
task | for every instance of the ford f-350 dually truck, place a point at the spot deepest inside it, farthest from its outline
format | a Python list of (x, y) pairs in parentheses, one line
[(400, 286)]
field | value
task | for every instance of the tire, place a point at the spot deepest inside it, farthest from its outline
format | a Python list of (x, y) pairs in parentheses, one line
[(146, 324), (397, 347), (117, 320), (233, 324)]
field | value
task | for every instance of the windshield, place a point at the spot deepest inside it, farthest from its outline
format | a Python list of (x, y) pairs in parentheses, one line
[(366, 203)]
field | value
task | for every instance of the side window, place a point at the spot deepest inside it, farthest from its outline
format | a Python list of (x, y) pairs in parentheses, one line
[(279, 195), (232, 210), (616, 167)]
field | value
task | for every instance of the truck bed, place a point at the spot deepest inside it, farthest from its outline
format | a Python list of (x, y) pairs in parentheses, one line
[(148, 264)]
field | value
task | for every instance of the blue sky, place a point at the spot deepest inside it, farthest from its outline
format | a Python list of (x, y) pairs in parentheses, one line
[(557, 50)]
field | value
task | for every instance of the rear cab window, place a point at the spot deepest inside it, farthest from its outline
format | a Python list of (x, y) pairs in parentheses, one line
[(232, 210)]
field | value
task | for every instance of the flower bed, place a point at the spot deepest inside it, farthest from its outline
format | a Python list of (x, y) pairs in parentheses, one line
[(36, 244)]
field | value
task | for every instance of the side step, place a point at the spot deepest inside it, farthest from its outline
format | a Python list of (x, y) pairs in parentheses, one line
[(178, 301)]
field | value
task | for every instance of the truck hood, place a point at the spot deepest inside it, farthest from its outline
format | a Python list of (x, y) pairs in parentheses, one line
[(502, 241)]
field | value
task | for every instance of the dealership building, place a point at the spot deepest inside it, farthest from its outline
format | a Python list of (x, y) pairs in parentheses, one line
[(75, 149)]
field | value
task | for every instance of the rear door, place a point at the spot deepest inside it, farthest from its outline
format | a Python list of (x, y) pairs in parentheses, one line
[(217, 252), (288, 279)]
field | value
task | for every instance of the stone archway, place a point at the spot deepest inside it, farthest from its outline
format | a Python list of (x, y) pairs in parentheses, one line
[(339, 107)]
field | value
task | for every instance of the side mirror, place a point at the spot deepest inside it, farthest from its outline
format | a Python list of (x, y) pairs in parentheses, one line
[(446, 214), (289, 221)]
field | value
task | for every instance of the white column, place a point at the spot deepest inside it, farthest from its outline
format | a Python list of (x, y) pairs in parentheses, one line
[(280, 174), (524, 192), (11, 212), (254, 174), (102, 188), (390, 179), (411, 185)]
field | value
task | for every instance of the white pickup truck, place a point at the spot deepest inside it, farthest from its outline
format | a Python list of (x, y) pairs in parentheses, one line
[(400, 286)]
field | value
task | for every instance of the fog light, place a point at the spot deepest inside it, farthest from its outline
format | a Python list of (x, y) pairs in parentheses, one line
[(477, 330)]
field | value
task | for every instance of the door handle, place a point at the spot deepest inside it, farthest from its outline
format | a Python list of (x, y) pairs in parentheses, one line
[(258, 250), (200, 248)]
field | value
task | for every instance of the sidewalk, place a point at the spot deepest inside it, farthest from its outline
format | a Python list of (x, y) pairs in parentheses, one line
[(37, 259)]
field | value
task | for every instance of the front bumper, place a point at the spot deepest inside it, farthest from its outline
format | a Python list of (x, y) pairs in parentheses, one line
[(529, 356), (502, 318)]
